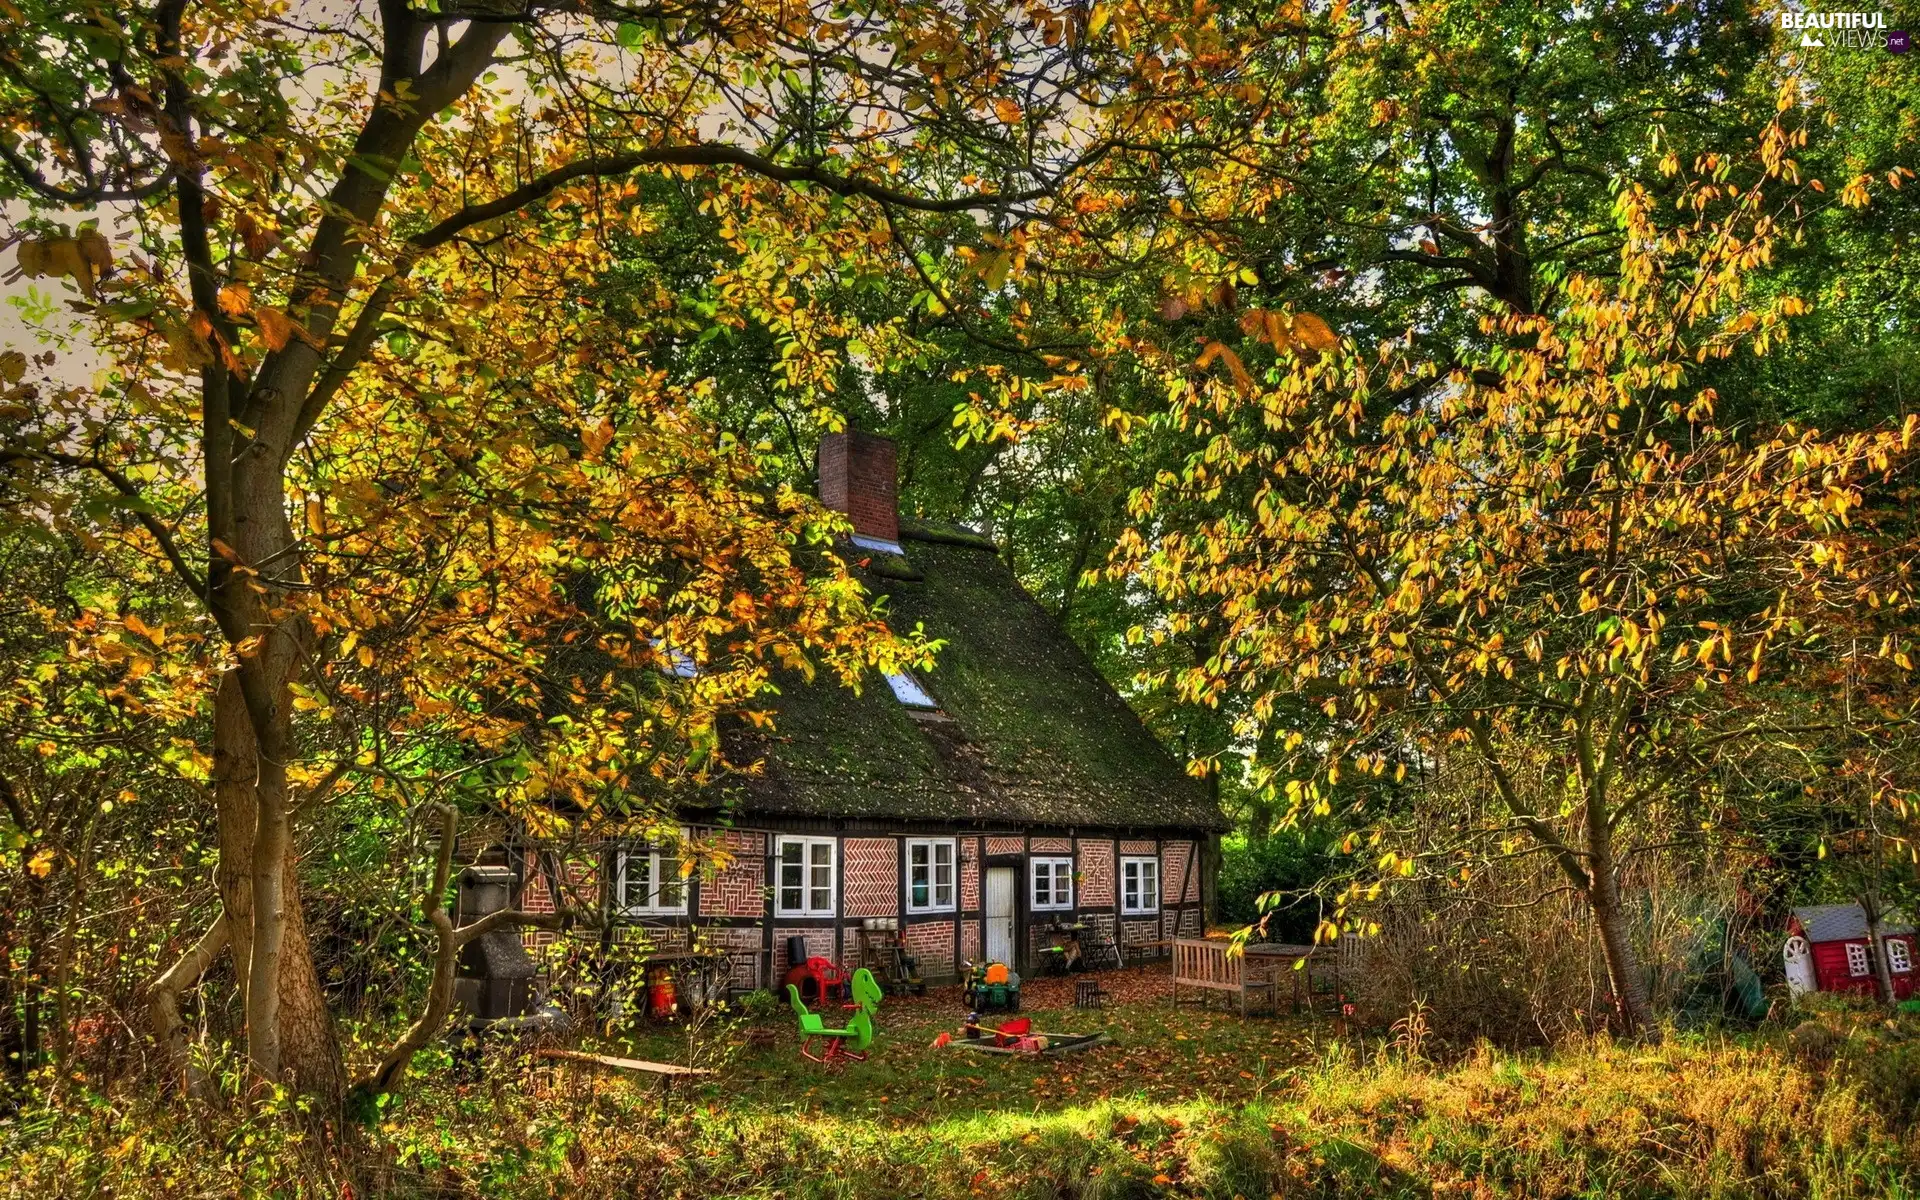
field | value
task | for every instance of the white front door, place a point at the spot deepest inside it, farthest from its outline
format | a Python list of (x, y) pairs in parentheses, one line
[(1000, 915)]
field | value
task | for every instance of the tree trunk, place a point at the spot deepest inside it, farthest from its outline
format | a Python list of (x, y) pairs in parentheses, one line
[(300, 1038), (1623, 964), (1882, 971)]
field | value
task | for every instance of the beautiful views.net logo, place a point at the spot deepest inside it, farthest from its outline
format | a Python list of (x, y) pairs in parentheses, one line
[(1860, 30)]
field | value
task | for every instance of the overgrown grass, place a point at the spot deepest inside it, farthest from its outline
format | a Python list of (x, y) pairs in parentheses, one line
[(1185, 1104)]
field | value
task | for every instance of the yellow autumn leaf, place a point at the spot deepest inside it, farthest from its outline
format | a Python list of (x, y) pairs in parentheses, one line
[(276, 328), (42, 863), (1008, 112), (236, 299), (1313, 333)]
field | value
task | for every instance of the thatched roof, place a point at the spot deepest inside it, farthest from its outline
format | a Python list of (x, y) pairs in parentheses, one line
[(1027, 732)]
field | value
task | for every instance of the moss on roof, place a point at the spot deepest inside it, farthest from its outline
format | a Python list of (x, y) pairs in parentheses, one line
[(1028, 731)]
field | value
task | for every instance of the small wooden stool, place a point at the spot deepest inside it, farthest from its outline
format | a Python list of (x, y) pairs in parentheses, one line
[(1089, 994)]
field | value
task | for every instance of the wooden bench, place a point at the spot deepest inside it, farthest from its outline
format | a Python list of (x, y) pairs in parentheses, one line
[(1203, 964)]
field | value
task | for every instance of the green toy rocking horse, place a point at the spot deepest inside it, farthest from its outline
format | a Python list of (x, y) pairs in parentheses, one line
[(842, 1045)]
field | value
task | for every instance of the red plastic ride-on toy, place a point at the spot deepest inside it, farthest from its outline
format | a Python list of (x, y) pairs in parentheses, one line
[(818, 979)]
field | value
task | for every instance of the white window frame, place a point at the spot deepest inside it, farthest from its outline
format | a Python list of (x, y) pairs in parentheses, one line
[(932, 866), (651, 905), (1899, 956), (1057, 867), (1859, 964), (1134, 908), (807, 907)]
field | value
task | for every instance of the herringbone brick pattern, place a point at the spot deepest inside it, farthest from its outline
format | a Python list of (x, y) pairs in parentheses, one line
[(741, 889), (872, 884), (970, 873), (1137, 847), (1006, 845), (1052, 845)]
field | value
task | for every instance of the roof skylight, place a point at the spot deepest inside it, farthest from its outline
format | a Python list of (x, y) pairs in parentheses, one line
[(880, 545), (907, 690)]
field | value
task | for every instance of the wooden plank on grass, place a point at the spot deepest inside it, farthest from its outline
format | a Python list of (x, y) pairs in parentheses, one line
[(623, 1064)]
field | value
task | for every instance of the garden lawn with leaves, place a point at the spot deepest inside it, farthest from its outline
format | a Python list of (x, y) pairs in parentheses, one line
[(1185, 1103)]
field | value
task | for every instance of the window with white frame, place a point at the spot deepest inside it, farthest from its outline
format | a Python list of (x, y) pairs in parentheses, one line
[(1856, 959), (1139, 885), (1899, 956), (804, 877), (1052, 883), (649, 882), (930, 875)]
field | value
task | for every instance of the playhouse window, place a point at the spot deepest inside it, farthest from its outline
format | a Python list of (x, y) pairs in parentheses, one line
[(805, 885), (649, 882), (1052, 883), (1856, 959), (1139, 885), (929, 876), (1899, 956)]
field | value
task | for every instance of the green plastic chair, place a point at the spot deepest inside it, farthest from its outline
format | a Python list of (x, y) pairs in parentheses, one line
[(842, 1045)]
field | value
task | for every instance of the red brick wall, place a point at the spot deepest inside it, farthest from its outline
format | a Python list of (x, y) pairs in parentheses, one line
[(1096, 874), (1006, 845), (932, 943), (740, 889), (858, 477), (969, 873), (871, 887), (1137, 847), (1052, 845), (970, 942), (819, 945), (1175, 858)]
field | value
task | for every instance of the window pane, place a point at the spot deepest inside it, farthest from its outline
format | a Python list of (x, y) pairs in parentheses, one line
[(791, 875), (671, 886), (917, 854), (919, 893), (636, 892)]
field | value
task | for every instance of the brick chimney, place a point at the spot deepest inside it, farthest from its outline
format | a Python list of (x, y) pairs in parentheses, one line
[(857, 477)]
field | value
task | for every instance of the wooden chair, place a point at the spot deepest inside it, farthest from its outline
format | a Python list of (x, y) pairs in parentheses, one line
[(1331, 971)]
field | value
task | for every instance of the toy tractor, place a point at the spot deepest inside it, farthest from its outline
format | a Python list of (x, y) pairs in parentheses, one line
[(991, 986)]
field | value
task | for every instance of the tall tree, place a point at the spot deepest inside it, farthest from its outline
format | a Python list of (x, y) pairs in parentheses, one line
[(1550, 552), (340, 405)]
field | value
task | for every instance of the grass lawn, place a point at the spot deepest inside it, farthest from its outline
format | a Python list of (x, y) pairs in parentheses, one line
[(1203, 1104), (1157, 1055), (1185, 1103)]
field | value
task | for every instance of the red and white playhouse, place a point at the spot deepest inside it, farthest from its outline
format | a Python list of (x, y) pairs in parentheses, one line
[(1830, 950)]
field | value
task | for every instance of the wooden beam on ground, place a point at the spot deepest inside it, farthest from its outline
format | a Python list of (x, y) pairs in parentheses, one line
[(623, 1064)]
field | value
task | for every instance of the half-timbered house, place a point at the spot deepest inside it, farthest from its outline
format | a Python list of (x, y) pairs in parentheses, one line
[(1005, 792)]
